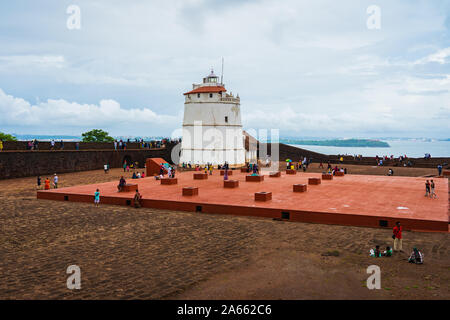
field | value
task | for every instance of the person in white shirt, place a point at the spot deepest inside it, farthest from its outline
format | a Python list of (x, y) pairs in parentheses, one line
[(55, 181)]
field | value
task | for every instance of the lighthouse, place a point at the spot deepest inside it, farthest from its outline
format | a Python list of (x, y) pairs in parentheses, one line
[(212, 127)]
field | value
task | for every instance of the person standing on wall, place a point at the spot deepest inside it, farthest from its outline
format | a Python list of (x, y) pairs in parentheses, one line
[(397, 236)]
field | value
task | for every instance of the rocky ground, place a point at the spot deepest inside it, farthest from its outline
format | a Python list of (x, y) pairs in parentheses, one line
[(127, 253)]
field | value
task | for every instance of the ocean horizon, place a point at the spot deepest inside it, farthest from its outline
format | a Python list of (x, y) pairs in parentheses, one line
[(410, 148)]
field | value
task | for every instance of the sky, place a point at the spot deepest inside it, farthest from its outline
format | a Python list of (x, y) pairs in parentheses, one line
[(308, 68)]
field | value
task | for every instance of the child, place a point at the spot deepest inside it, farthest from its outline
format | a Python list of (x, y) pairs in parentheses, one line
[(97, 198)]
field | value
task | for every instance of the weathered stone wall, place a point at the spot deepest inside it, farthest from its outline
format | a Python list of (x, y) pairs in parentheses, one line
[(15, 164)]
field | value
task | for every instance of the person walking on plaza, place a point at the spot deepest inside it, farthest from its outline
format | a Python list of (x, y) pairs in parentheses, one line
[(55, 181), (427, 189), (97, 197), (397, 236), (432, 192), (439, 167)]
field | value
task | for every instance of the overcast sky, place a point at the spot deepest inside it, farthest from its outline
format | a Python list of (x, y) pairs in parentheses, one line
[(308, 68)]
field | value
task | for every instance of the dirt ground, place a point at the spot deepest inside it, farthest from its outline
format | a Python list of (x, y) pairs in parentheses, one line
[(127, 253)]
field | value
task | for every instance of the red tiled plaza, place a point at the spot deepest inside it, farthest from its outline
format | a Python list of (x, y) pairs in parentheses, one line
[(359, 200)]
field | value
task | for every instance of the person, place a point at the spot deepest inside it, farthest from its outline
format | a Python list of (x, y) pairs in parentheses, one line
[(1, 145), (122, 183), (225, 175), (427, 188), (115, 145), (134, 176), (47, 184), (137, 199), (387, 252), (321, 164), (52, 144), (142, 174), (397, 236), (97, 197), (105, 167), (39, 182), (432, 192), (375, 253), (439, 167), (391, 172), (62, 145), (124, 166), (55, 181), (416, 257), (210, 170), (138, 175)]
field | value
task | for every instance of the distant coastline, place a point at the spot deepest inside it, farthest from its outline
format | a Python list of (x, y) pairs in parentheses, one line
[(360, 143)]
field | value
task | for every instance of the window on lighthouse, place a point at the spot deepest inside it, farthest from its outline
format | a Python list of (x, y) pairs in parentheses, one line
[(210, 95), (198, 95), (226, 119)]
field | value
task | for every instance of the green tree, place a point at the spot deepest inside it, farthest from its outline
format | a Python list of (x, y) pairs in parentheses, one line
[(97, 135), (7, 137)]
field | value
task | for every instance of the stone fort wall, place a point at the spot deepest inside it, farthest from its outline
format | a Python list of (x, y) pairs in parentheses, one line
[(21, 163)]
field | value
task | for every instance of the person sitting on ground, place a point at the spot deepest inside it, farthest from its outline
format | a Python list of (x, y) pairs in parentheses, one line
[(416, 257), (142, 174), (387, 252), (390, 172), (138, 175), (122, 183), (375, 253), (137, 199), (134, 176)]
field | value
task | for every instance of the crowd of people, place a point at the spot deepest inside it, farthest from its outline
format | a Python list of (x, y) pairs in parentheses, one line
[(118, 144)]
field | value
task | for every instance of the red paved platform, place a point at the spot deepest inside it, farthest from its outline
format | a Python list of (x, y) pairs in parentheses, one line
[(357, 200)]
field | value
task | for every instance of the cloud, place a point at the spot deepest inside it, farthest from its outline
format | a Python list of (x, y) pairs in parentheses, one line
[(438, 57), (304, 66), (45, 117)]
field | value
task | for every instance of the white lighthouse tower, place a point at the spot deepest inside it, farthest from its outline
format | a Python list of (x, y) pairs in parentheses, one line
[(212, 128)]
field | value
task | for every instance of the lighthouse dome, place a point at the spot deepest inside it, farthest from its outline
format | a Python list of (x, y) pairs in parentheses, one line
[(211, 78)]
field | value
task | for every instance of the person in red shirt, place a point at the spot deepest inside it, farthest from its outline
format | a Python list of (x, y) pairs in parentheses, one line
[(397, 236)]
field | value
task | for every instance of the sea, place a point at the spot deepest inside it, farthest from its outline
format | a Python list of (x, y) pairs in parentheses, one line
[(410, 148)]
